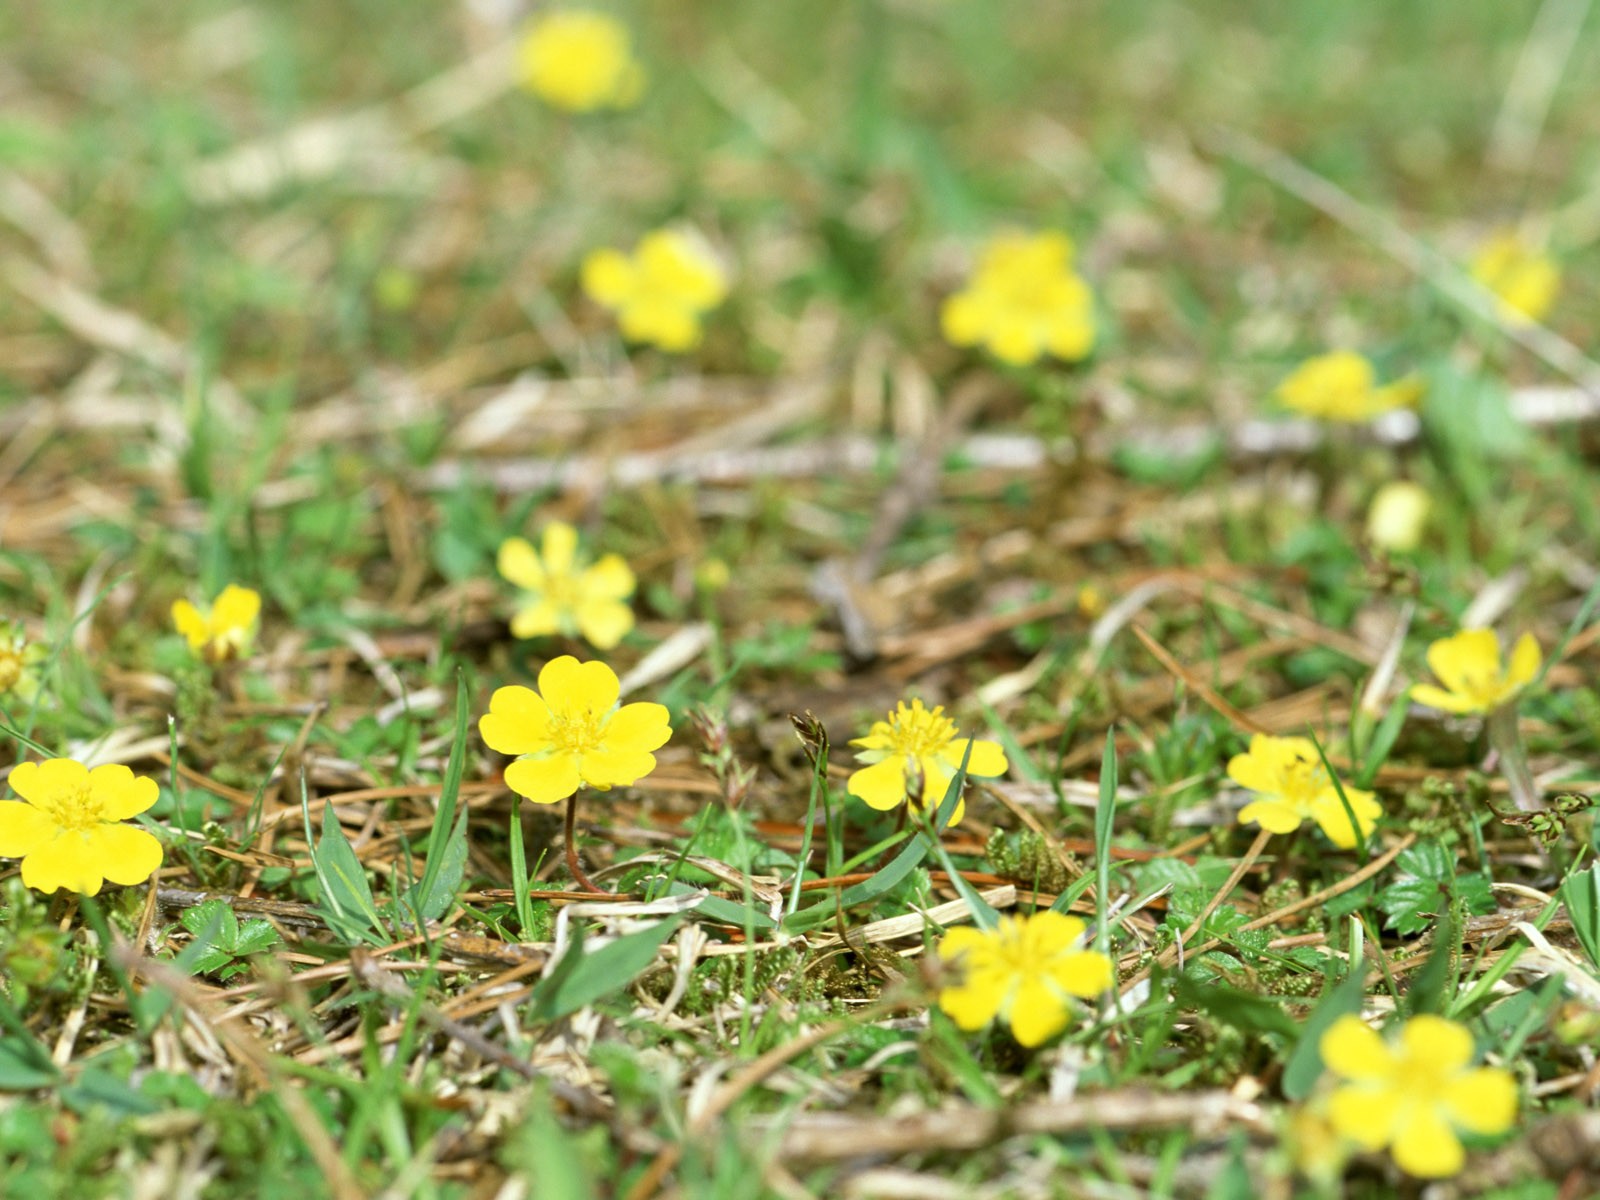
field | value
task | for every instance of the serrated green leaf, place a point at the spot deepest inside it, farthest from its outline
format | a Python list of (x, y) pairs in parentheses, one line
[(213, 920), (254, 937)]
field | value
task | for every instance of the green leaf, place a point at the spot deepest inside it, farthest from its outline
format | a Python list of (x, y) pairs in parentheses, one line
[(1433, 986), (1383, 740), (1581, 894), (346, 901), (1241, 1010), (1428, 881), (581, 978), (1304, 1068), (254, 937), (433, 904), (25, 1065), (1105, 816), (215, 922), (447, 844)]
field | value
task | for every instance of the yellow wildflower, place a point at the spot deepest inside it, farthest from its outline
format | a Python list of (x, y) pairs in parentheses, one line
[(1342, 386), (19, 660), (660, 291), (571, 734), (1027, 970), (1412, 1095), (580, 61), (562, 594), (68, 829), (1468, 664), (225, 628), (1294, 787), (914, 755), (1523, 277), (1398, 516), (1023, 301)]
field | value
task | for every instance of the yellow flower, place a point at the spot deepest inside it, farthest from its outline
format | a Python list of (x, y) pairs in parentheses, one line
[(1026, 970), (1294, 786), (564, 595), (571, 734), (661, 290), (914, 755), (19, 660), (68, 827), (1023, 301), (1342, 386), (580, 61), (1468, 664), (1398, 515), (226, 628), (1523, 277), (1412, 1096)]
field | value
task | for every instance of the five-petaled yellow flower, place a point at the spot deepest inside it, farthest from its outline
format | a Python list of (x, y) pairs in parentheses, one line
[(1342, 386), (68, 827), (563, 594), (1475, 681), (1023, 301), (914, 755), (1294, 786), (1524, 278), (225, 628), (580, 61), (571, 734), (1413, 1094), (19, 661), (661, 290), (1027, 971)]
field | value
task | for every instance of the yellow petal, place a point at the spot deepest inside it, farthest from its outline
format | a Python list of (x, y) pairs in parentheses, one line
[(961, 320), (236, 608), (1483, 1100), (519, 564), (125, 854), (1364, 1115), (1272, 815), (1426, 1146), (882, 785), (604, 623), (544, 780), (609, 278), (188, 621), (615, 768), (972, 1005), (558, 548), (66, 861), (1048, 933), (1016, 342), (1443, 1044), (1329, 813), (1436, 697), (609, 579), (121, 794), (1352, 1049), (537, 620), (568, 685), (638, 727), (23, 829), (1083, 973), (1525, 662), (988, 760), (963, 939), (1071, 336), (1036, 1013), (41, 781), (518, 721), (1470, 653)]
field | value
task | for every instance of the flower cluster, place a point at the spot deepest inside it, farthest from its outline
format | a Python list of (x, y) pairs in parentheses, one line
[(223, 629), (1411, 1095), (1024, 301), (660, 291), (913, 756), (1343, 386), (1294, 787), (19, 663), (580, 61), (1028, 971), (561, 593), (68, 827)]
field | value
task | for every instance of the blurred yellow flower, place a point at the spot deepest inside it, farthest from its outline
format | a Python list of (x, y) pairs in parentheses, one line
[(571, 734), (1294, 787), (660, 291), (1027, 970), (1414, 1094), (1342, 386), (224, 629), (68, 828), (580, 61), (19, 661), (914, 755), (562, 594), (1023, 301), (1475, 681), (1524, 278), (1398, 515)]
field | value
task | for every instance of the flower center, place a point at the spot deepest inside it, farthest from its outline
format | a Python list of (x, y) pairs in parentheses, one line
[(577, 730), (915, 731), (562, 590), (1302, 781), (73, 809)]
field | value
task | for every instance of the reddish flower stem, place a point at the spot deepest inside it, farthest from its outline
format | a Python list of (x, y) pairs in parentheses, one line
[(576, 870)]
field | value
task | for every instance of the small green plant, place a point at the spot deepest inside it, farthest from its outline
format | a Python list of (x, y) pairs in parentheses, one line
[(229, 942)]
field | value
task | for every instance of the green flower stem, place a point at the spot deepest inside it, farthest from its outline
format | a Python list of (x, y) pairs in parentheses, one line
[(1506, 740), (583, 880)]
